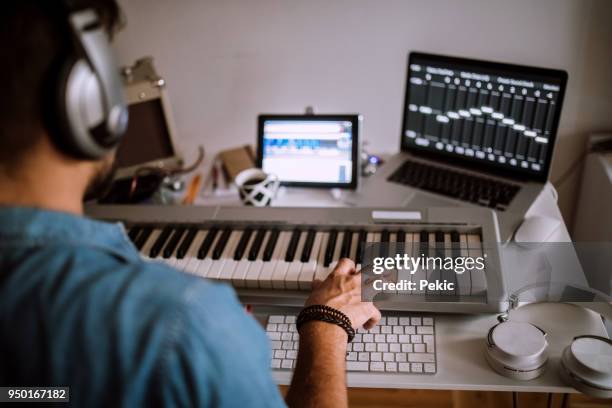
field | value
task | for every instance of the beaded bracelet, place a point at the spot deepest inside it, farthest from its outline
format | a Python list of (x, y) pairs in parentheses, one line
[(326, 314)]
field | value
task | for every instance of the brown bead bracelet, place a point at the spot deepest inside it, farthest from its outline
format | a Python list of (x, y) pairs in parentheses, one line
[(326, 314)]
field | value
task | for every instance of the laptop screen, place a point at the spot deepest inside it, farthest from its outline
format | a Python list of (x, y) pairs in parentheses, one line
[(496, 116)]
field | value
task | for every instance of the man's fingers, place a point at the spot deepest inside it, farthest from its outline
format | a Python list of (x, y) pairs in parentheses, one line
[(345, 267), (375, 316)]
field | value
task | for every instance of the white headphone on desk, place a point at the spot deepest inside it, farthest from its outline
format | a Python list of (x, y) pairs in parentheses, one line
[(519, 350)]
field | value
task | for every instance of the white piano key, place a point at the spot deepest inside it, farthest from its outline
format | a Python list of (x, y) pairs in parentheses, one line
[(322, 271), (451, 274), (265, 276), (420, 273), (337, 251), (255, 267), (280, 269), (192, 262), (432, 273), (464, 284), (479, 278), (309, 268), (402, 273), (205, 266), (354, 244), (293, 272), (242, 266), (466, 277), (223, 268), (146, 248)]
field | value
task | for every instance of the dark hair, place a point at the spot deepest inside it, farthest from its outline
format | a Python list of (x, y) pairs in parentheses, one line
[(35, 38)]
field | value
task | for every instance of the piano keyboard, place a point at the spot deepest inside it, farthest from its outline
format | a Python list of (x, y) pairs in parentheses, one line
[(270, 259)]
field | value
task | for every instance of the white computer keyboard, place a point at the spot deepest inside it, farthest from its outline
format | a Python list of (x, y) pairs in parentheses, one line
[(404, 344)]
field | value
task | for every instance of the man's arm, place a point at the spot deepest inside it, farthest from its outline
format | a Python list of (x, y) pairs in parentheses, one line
[(319, 379)]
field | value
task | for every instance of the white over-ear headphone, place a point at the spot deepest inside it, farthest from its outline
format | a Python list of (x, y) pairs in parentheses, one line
[(519, 350)]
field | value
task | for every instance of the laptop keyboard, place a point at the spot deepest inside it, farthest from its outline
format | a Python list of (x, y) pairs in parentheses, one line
[(404, 344), (479, 190)]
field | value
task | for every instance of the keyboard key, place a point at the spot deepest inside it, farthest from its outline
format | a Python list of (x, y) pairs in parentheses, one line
[(421, 357), (184, 247), (293, 243), (357, 365), (377, 366), (270, 246), (391, 367), (221, 243), (173, 243)]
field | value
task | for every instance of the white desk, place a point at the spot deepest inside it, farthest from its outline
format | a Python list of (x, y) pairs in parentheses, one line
[(461, 338)]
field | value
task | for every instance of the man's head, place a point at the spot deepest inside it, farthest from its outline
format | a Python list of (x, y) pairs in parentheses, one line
[(36, 41)]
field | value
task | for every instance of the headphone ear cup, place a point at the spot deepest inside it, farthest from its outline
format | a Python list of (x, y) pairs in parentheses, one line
[(80, 112), (586, 364), (517, 350)]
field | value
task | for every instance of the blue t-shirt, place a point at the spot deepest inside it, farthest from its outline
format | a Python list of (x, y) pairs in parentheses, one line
[(79, 307)]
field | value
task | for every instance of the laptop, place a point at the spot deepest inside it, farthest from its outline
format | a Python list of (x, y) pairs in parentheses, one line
[(474, 133)]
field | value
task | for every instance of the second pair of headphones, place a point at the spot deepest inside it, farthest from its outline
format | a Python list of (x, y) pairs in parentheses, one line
[(519, 350), (91, 115)]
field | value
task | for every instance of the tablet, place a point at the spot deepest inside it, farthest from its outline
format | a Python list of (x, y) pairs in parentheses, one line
[(310, 150)]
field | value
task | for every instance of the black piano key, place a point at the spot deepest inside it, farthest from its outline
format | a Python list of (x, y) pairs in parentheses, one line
[(184, 247), (455, 133), (439, 243), (160, 242), (308, 246), (173, 243), (363, 236), (269, 250), (455, 243), (401, 236), (256, 245), (134, 233), (143, 237), (242, 244), (221, 243), (331, 246), (345, 248), (424, 242), (293, 243), (207, 243), (385, 236)]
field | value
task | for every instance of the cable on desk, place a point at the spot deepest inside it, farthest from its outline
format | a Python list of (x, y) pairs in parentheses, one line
[(514, 400), (549, 402)]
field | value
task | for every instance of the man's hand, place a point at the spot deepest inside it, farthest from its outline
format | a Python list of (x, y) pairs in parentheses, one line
[(342, 290), (319, 379)]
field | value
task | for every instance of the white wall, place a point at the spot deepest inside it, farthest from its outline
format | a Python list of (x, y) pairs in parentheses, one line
[(225, 61)]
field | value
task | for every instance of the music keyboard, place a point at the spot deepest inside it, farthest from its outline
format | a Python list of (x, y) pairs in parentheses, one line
[(272, 255)]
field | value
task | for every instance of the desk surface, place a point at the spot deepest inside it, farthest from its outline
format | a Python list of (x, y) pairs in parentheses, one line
[(461, 338)]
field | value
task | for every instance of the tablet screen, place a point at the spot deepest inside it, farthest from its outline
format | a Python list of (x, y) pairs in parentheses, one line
[(315, 150)]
